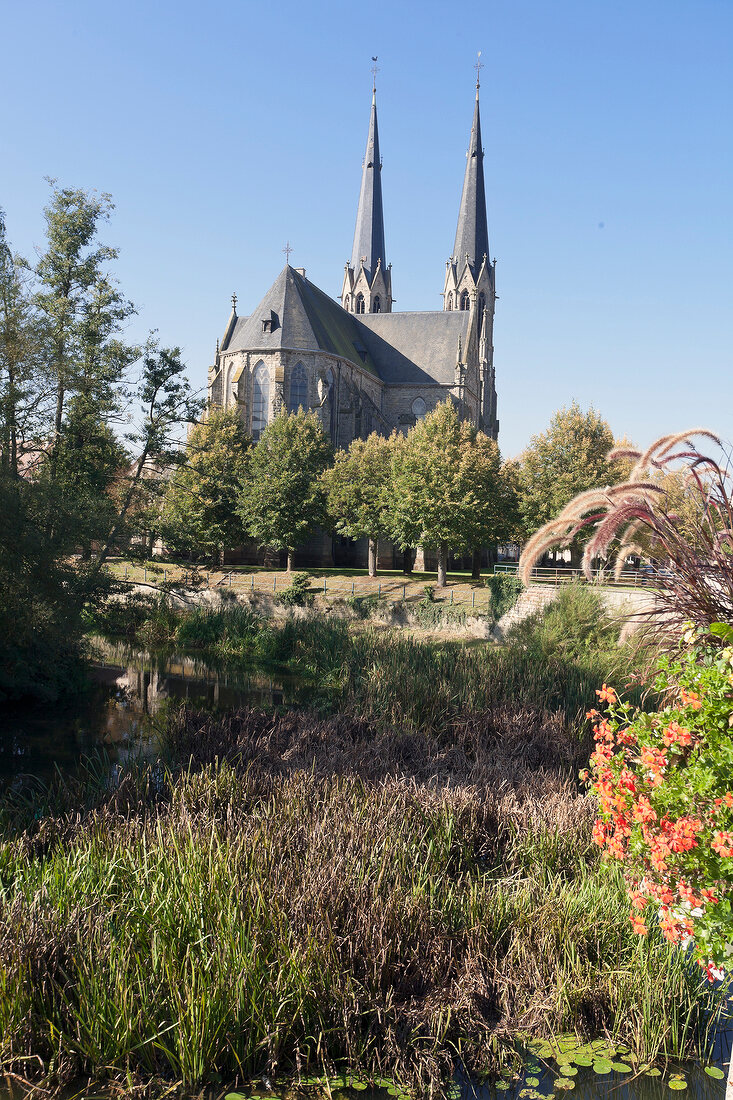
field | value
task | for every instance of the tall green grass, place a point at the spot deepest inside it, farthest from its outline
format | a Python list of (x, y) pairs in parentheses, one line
[(250, 916)]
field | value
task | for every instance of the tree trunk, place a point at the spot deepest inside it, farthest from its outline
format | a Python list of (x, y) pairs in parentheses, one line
[(442, 561), (290, 561), (407, 561), (372, 557), (476, 565)]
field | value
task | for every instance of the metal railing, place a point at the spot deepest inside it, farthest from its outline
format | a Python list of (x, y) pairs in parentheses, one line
[(628, 578)]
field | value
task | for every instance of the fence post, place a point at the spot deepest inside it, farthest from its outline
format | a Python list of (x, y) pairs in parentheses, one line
[(274, 582), (325, 582), (165, 575), (451, 597), (379, 590), (208, 580), (125, 572), (145, 573), (230, 580), (253, 582), (352, 588), (404, 591), (473, 598)]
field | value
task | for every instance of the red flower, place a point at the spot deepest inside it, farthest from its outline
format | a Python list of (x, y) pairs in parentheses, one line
[(599, 833), (676, 735), (643, 811), (637, 923), (606, 694), (690, 699)]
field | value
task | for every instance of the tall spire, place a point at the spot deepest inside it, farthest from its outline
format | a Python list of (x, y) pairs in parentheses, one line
[(472, 234), (369, 233)]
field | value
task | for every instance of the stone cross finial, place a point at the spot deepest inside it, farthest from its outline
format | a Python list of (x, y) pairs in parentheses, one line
[(375, 70), (287, 250), (234, 302)]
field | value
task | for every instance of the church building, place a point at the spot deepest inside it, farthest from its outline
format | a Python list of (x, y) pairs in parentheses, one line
[(362, 366)]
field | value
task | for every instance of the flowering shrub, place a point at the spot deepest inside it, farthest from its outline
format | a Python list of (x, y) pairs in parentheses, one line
[(664, 783)]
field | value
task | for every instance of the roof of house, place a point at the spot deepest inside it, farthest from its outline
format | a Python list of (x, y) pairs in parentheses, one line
[(399, 348)]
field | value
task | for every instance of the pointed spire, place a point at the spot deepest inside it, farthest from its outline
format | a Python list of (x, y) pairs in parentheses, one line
[(472, 234), (369, 233)]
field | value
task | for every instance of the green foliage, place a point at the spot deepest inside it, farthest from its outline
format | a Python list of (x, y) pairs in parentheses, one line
[(297, 593), (575, 625), (359, 488), (567, 459), (447, 486), (282, 498), (663, 780), (365, 607), (505, 591), (200, 507)]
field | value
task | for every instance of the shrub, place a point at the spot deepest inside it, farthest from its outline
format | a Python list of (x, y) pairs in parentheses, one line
[(575, 624), (664, 782), (505, 590), (297, 594), (365, 607)]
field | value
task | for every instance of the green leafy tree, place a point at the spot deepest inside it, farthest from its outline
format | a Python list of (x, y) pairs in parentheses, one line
[(200, 506), (82, 309), (283, 498), (359, 491), (21, 344), (567, 459), (447, 487)]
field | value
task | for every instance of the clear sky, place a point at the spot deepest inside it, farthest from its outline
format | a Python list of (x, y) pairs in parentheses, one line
[(225, 129)]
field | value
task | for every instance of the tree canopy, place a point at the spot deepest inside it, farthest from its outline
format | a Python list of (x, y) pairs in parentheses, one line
[(283, 499), (447, 489), (359, 491), (200, 507)]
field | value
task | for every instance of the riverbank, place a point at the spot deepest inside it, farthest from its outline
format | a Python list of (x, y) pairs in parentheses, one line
[(395, 880)]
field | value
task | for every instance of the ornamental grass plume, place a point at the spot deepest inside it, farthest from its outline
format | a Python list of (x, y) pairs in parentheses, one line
[(694, 542)]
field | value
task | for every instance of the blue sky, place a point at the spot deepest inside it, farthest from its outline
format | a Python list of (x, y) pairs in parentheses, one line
[(225, 129)]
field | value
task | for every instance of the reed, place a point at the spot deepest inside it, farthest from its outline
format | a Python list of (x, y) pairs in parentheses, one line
[(294, 894)]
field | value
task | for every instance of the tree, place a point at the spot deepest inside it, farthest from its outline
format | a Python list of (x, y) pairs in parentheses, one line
[(359, 491), (567, 459), (200, 506), (20, 356), (82, 310), (283, 499), (446, 486)]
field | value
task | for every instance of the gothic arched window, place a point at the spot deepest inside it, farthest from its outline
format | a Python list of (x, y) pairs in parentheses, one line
[(298, 392), (347, 302), (481, 307), (360, 303), (377, 305), (465, 300), (260, 400), (419, 408), (449, 303)]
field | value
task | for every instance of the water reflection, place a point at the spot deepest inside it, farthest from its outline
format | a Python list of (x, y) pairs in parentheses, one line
[(130, 687)]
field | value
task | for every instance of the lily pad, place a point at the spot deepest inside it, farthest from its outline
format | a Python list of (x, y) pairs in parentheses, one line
[(602, 1065), (564, 1083), (583, 1059), (502, 1086), (566, 1070), (620, 1067), (238, 1096), (532, 1082), (676, 1083), (714, 1071), (653, 1072)]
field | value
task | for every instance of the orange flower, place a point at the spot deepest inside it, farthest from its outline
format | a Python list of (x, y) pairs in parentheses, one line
[(591, 714), (687, 894), (690, 699), (599, 833), (643, 811), (723, 844), (676, 735), (637, 923), (606, 694), (682, 833)]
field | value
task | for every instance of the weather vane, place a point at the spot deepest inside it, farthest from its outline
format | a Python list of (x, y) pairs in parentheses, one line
[(478, 67), (287, 250), (375, 70), (234, 302)]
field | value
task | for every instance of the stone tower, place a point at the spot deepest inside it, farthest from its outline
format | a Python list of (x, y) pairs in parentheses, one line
[(470, 275), (367, 286)]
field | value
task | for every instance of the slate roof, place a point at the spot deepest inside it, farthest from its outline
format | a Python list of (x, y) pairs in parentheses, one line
[(472, 232), (415, 348), (400, 348)]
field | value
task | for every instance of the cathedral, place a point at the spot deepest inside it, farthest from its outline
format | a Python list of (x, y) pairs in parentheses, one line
[(360, 365)]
